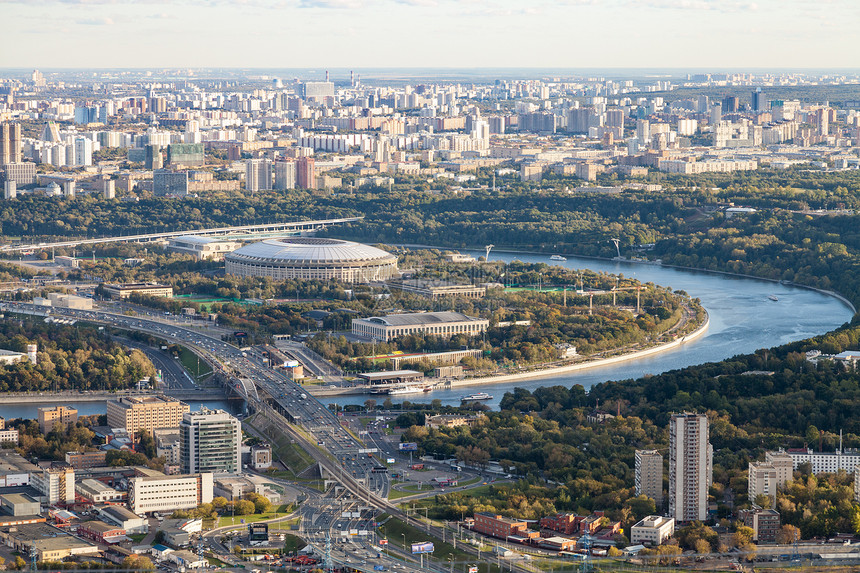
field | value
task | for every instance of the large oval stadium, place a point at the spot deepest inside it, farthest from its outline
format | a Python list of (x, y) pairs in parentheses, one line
[(312, 258)]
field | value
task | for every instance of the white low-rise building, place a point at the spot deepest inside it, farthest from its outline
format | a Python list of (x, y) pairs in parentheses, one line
[(653, 530), (203, 248), (168, 493)]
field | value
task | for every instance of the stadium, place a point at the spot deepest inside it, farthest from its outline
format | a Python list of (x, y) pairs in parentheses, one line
[(312, 258)]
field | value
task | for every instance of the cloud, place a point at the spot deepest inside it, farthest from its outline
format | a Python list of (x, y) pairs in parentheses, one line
[(95, 22)]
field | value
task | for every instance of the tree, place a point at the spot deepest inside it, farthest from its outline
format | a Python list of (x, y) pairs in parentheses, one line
[(764, 501), (787, 534), (219, 503), (244, 507), (20, 563), (370, 404), (138, 563), (743, 536), (702, 547)]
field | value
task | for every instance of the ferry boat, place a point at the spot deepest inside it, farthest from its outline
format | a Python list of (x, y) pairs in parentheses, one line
[(400, 390), (557, 258), (773, 297), (478, 396)]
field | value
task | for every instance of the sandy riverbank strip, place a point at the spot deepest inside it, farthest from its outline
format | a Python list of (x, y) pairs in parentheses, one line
[(546, 372)]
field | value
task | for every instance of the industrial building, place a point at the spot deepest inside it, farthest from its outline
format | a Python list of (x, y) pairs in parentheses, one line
[(312, 258)]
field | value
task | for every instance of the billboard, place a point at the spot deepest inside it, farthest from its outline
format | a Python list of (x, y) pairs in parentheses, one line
[(407, 447), (423, 547)]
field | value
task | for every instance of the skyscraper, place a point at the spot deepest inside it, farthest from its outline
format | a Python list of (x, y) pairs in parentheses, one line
[(305, 175), (10, 143), (258, 174), (730, 104), (690, 467), (210, 441), (285, 175), (649, 475), (757, 101)]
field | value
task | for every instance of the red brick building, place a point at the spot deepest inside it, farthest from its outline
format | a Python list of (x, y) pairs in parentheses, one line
[(101, 532), (501, 527), (566, 523)]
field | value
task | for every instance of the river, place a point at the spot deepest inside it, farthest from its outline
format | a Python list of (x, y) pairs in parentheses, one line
[(11, 411), (742, 320)]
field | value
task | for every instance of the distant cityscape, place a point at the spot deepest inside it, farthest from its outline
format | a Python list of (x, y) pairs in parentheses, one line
[(178, 135)]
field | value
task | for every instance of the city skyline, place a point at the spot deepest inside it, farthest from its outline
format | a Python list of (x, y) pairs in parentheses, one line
[(429, 33)]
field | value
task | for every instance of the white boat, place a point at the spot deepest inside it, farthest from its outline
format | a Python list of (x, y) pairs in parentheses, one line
[(773, 297), (400, 390), (478, 396), (557, 258)]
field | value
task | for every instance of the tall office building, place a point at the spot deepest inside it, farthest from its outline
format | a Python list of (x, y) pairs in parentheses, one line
[(83, 152), (285, 175), (716, 114), (757, 100), (690, 467), (258, 175), (10, 143), (305, 175), (649, 475), (210, 441), (731, 104), (153, 158)]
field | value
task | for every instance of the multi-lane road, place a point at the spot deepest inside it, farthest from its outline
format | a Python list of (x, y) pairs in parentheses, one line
[(297, 414)]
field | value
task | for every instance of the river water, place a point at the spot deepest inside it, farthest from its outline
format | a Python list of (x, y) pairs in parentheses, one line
[(10, 411), (742, 320)]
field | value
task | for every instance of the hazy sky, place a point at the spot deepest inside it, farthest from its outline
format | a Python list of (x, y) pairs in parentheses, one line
[(430, 33)]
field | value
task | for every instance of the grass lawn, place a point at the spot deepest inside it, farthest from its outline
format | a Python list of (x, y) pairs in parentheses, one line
[(216, 562), (137, 538), (293, 543), (198, 369), (395, 530), (229, 520), (396, 494)]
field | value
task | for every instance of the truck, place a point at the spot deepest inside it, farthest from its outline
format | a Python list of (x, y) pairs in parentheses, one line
[(416, 467)]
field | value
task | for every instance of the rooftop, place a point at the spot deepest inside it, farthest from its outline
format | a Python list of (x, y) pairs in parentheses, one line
[(419, 318)]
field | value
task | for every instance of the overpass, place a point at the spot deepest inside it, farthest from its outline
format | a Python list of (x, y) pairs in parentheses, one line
[(243, 231)]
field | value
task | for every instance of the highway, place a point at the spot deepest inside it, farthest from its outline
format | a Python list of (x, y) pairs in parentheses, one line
[(258, 230), (292, 410)]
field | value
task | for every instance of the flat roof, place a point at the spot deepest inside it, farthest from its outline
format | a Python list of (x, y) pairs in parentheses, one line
[(419, 318), (390, 374), (4, 352), (18, 498), (132, 286), (119, 512)]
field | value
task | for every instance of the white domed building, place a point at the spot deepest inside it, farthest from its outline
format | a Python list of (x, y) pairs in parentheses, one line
[(312, 258)]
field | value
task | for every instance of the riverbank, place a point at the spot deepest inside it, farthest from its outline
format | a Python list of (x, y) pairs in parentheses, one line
[(539, 372), (548, 372), (830, 293)]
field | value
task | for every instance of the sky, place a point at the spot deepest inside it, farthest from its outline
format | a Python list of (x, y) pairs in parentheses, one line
[(690, 34)]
